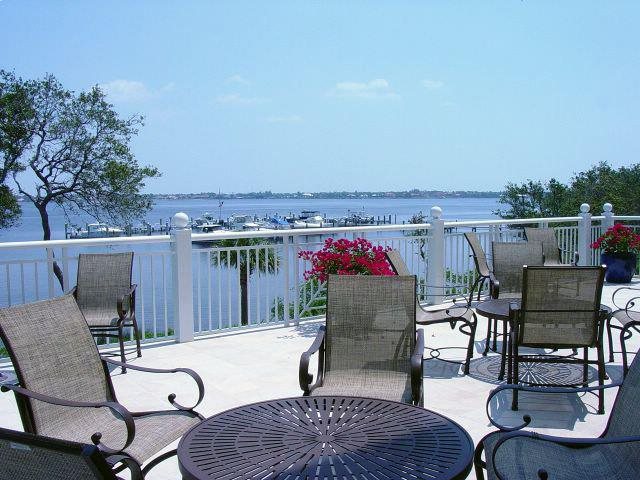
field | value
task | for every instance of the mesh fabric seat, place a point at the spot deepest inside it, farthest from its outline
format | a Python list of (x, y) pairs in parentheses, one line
[(613, 455), (106, 296), (58, 365), (369, 345), (560, 309), (452, 314), (552, 251), (33, 457), (483, 273)]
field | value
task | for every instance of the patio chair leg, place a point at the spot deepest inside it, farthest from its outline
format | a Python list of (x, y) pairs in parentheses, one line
[(123, 359), (136, 333), (623, 345), (495, 334), (488, 340), (472, 337), (610, 339), (515, 379), (585, 368), (504, 350), (601, 375)]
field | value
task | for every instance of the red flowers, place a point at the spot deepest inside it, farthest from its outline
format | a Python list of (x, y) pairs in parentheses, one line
[(618, 239), (345, 257)]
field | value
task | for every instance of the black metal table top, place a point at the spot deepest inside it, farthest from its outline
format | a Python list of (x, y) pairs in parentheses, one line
[(496, 307), (326, 438)]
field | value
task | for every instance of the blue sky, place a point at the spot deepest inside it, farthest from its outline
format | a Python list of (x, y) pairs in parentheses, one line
[(354, 95)]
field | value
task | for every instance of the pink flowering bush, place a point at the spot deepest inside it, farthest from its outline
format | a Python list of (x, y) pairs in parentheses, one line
[(345, 257), (618, 239)]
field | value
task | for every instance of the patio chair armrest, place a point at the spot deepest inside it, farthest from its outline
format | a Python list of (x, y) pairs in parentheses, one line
[(172, 396), (416, 368), (629, 303), (494, 286), (119, 410), (575, 442), (526, 388), (304, 377), (130, 298)]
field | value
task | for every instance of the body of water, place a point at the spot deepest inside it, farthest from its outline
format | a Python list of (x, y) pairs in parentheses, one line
[(400, 209)]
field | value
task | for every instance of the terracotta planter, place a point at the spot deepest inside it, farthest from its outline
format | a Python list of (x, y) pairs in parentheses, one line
[(620, 266)]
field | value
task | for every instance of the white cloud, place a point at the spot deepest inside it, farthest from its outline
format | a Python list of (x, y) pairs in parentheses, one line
[(432, 84), (377, 88), (284, 119), (237, 99), (239, 79), (132, 90)]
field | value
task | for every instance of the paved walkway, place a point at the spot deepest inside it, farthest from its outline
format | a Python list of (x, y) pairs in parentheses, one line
[(259, 364)]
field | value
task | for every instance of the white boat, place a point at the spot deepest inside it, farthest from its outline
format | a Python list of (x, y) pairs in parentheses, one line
[(313, 221), (98, 230), (239, 222), (207, 223)]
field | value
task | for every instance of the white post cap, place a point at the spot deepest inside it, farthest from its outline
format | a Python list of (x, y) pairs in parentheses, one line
[(584, 208), (436, 212), (180, 220)]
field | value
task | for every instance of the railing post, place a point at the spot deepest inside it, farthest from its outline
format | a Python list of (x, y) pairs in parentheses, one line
[(584, 235), (435, 258), (607, 211), (286, 251), (182, 278)]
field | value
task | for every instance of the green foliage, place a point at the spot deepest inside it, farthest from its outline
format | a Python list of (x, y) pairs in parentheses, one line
[(596, 186), (310, 295), (75, 147), (419, 218)]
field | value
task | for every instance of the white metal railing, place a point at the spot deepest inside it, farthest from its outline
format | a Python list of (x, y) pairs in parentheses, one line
[(191, 284)]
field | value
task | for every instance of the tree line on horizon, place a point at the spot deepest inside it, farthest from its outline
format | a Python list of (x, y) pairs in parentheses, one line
[(596, 186)]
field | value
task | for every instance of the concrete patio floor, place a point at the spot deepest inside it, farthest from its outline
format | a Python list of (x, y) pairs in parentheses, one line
[(262, 363)]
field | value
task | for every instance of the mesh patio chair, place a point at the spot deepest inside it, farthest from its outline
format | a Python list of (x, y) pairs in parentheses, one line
[(32, 457), (513, 453), (627, 320), (106, 296), (369, 346), (552, 252), (508, 260), (64, 389), (451, 315), (560, 309), (483, 273)]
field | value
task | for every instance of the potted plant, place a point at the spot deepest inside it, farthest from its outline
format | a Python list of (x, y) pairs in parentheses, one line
[(620, 246), (346, 257)]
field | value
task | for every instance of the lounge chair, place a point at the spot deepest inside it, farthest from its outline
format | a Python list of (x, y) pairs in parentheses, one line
[(369, 346), (483, 272), (553, 254), (64, 388)]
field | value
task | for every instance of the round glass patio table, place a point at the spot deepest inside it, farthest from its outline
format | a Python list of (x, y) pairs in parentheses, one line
[(326, 438)]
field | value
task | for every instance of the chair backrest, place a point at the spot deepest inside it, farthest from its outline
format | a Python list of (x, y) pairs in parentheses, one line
[(24, 455), (370, 323), (560, 306), (479, 257), (53, 353), (624, 419), (103, 278), (397, 263), (547, 236), (508, 259)]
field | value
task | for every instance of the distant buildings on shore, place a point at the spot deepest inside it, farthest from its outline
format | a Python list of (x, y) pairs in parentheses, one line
[(307, 195)]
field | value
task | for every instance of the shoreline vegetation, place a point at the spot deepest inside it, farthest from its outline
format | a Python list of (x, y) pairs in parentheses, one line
[(415, 193)]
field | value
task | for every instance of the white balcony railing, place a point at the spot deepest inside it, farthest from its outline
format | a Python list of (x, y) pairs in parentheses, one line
[(191, 284)]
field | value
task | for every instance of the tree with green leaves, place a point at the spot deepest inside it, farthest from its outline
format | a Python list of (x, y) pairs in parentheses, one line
[(259, 256), (72, 150)]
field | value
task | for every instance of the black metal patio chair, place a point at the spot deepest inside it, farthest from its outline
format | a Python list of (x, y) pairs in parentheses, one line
[(24, 456), (65, 391), (451, 314), (106, 296), (560, 309), (369, 346), (627, 318), (553, 254), (512, 453)]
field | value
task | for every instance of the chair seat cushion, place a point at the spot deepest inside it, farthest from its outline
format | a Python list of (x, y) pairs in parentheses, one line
[(522, 457), (387, 385), (154, 430)]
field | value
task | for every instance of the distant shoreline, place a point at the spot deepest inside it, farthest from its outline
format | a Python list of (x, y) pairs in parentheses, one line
[(329, 195)]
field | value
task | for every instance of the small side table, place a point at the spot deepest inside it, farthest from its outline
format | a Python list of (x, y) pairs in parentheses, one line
[(326, 438), (497, 309)]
